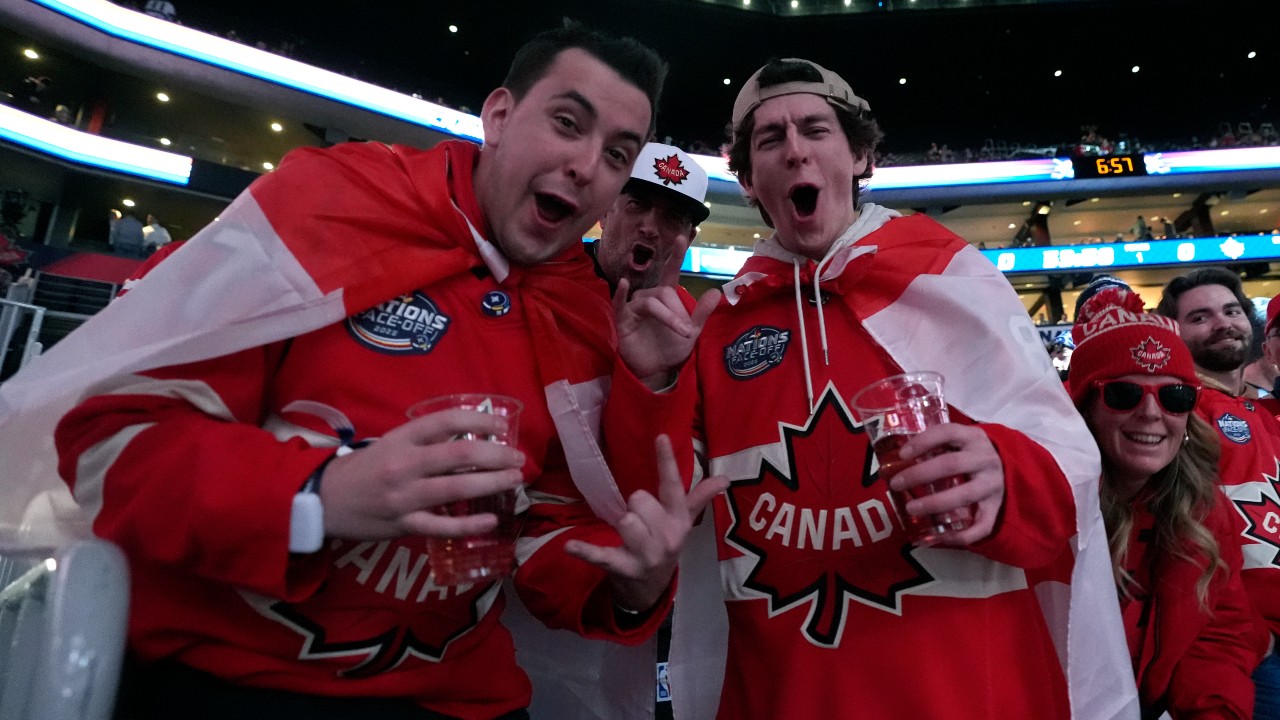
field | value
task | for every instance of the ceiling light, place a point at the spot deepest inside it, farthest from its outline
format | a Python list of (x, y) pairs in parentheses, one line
[(277, 126), (1012, 226), (726, 81), (847, 2), (708, 203), (162, 97), (166, 142), (755, 236), (1077, 222), (127, 202), (745, 3), (1057, 73), (1026, 203), (1225, 212), (31, 54), (1252, 55), (1135, 69), (902, 81), (453, 28), (795, 4), (268, 166), (1177, 195), (1263, 211), (1094, 199), (1043, 208)]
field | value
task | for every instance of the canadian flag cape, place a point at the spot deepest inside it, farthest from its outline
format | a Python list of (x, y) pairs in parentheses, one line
[(932, 301), (328, 234)]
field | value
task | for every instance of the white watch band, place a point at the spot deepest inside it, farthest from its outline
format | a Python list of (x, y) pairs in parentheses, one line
[(306, 523), (306, 517)]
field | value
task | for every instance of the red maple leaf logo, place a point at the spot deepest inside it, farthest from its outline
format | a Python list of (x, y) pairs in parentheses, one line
[(825, 531), (1151, 354), (1263, 515), (669, 170)]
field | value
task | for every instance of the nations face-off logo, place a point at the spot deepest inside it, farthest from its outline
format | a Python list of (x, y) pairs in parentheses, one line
[(669, 170), (408, 325), (1151, 354), (1234, 429), (822, 528), (755, 351)]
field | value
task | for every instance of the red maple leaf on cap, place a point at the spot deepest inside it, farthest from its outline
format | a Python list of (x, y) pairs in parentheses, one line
[(669, 170), (1151, 354)]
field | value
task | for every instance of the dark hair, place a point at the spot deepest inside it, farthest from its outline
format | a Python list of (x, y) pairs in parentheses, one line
[(1168, 306), (860, 129), (635, 62)]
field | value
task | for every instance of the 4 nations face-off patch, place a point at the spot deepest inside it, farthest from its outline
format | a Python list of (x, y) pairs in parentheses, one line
[(755, 352), (1234, 429), (411, 324)]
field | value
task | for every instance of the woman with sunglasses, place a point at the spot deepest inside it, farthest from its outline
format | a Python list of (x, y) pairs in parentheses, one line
[(1193, 635)]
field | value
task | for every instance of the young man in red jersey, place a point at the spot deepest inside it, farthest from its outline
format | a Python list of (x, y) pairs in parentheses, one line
[(831, 611), (1213, 319), (348, 284)]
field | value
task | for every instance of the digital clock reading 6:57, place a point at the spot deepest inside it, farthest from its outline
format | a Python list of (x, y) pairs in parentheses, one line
[(1107, 166)]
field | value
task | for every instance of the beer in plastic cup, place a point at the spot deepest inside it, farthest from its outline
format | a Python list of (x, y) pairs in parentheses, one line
[(891, 411), (491, 555)]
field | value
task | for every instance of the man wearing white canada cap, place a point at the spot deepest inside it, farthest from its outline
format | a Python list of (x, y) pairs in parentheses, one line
[(645, 234)]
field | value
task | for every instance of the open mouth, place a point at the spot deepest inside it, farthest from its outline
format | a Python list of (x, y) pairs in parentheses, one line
[(551, 208), (805, 200), (641, 256)]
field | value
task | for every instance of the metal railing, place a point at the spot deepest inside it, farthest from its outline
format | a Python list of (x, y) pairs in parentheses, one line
[(11, 314)]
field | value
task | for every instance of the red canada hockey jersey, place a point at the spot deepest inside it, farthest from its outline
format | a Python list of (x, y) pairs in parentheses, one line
[(1249, 470), (1190, 662), (191, 468), (830, 611)]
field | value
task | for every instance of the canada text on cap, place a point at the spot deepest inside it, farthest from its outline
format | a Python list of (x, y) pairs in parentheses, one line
[(819, 81), (675, 171)]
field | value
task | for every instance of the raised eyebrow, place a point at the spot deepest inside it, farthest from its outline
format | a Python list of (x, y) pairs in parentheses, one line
[(632, 137), (780, 126), (772, 127), (590, 109), (808, 120), (579, 99)]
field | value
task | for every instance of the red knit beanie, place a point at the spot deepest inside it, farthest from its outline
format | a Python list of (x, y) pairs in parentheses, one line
[(1114, 337)]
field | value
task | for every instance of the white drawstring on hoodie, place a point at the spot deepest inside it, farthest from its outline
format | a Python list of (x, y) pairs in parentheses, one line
[(870, 218)]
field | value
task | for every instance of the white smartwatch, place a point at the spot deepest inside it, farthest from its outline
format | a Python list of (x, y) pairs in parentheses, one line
[(306, 518)]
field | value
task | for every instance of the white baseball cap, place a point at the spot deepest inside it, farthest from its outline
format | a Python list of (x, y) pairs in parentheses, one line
[(674, 170)]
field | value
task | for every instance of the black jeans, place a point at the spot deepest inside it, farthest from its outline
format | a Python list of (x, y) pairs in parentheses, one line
[(172, 691)]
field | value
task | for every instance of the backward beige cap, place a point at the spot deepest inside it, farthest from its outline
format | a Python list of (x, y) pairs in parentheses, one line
[(832, 87)]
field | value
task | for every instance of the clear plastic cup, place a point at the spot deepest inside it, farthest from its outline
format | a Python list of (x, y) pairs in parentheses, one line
[(892, 410), (488, 556)]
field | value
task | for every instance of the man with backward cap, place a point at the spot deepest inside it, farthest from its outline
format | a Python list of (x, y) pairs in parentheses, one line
[(828, 608)]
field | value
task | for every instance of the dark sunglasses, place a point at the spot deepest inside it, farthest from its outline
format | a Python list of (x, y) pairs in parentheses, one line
[(1176, 398)]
